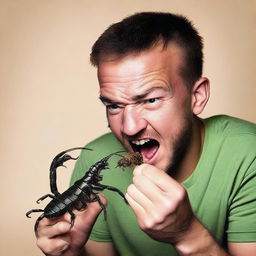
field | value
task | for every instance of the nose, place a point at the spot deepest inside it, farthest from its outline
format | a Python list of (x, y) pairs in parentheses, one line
[(132, 121)]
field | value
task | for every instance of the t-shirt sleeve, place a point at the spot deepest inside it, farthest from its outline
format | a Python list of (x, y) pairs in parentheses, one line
[(242, 217)]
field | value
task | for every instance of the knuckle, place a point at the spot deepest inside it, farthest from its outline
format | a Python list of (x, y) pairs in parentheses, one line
[(44, 245), (62, 227), (181, 194), (52, 246), (159, 219), (149, 224), (170, 205), (152, 222)]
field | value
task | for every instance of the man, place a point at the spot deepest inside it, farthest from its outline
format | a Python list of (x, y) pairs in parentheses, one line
[(195, 193)]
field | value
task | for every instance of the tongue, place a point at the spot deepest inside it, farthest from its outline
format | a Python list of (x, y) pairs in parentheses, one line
[(148, 152)]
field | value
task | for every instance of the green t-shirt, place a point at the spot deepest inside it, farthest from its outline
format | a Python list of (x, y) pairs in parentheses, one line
[(222, 189)]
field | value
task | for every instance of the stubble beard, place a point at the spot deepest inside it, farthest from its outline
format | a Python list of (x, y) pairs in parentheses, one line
[(180, 147)]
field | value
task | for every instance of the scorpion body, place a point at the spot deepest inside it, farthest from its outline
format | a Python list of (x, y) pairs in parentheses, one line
[(84, 190)]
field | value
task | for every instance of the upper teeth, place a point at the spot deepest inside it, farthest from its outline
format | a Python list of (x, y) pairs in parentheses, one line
[(140, 142)]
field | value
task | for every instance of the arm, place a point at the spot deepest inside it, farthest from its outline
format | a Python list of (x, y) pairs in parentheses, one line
[(163, 212), (94, 248), (192, 244), (238, 249)]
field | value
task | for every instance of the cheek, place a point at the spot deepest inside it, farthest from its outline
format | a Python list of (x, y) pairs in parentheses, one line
[(114, 124), (169, 120)]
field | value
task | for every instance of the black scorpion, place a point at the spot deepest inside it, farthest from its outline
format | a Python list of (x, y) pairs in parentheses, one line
[(84, 190)]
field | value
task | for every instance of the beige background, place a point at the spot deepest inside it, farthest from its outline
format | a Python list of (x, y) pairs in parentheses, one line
[(49, 91)]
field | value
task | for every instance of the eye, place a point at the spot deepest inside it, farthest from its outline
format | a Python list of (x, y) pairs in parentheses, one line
[(152, 103), (152, 100), (113, 108)]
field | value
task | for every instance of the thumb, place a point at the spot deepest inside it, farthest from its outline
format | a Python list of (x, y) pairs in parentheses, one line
[(98, 205)]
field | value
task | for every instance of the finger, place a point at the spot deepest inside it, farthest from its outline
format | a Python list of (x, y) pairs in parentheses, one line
[(149, 189), (54, 246), (137, 208), (140, 199), (59, 226), (158, 177), (146, 219), (54, 229)]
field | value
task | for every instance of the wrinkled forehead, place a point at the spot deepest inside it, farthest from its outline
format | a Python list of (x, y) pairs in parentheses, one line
[(168, 59)]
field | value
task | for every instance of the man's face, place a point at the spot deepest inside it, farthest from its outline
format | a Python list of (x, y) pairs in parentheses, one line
[(148, 105)]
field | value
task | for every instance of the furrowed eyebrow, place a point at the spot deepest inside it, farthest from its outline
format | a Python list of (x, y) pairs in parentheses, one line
[(134, 98), (107, 100), (104, 99), (144, 95)]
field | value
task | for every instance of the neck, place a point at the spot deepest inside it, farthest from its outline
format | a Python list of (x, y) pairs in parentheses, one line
[(193, 153)]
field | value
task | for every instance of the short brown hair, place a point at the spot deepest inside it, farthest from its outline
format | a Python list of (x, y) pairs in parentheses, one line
[(142, 31)]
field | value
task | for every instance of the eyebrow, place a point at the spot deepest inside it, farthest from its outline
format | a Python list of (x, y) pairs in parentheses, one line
[(106, 100), (134, 98)]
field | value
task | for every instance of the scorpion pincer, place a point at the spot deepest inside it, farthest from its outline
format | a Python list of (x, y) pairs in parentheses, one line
[(84, 190), (59, 161)]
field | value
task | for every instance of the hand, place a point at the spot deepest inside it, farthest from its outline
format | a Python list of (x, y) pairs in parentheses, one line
[(56, 238), (160, 203)]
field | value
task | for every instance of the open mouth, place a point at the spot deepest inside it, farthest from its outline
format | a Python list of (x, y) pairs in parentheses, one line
[(147, 147)]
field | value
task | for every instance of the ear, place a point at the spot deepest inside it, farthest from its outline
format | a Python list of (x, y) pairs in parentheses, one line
[(200, 95)]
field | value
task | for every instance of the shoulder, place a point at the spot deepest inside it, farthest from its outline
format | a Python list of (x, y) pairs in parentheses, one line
[(230, 126), (231, 142), (235, 130)]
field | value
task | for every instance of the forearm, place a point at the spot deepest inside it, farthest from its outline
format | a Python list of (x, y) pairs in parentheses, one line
[(198, 241)]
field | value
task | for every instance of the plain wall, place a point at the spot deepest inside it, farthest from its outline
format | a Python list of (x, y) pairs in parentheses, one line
[(49, 90)]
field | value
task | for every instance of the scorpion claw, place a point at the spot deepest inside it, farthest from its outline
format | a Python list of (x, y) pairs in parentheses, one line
[(38, 201), (28, 214)]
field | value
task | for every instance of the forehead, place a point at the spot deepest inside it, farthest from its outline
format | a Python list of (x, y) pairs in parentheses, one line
[(165, 62)]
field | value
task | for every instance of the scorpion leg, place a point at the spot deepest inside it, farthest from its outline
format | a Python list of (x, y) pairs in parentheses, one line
[(43, 197), (33, 210), (72, 219), (101, 187), (37, 222), (96, 198), (93, 197)]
